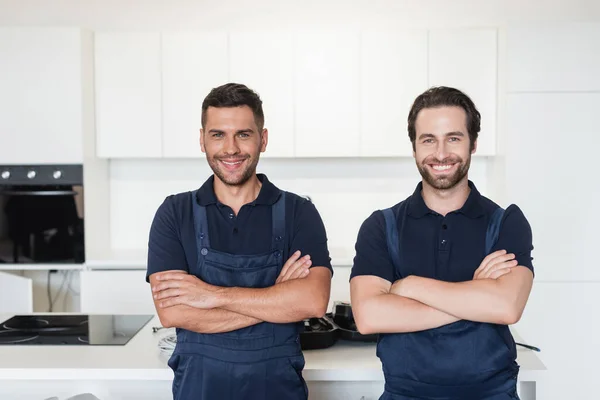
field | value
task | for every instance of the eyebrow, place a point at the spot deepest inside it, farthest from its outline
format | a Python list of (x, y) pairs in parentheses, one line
[(239, 131), (431, 135)]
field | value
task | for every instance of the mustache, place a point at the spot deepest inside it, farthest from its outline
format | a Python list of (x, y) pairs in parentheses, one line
[(447, 160)]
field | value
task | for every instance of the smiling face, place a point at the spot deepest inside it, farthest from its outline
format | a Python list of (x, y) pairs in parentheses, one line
[(232, 143), (442, 146)]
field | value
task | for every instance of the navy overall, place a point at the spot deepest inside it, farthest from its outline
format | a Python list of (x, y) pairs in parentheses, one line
[(464, 360), (259, 362)]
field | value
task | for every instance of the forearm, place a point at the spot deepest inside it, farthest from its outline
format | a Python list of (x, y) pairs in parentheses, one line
[(289, 301), (480, 300), (205, 321), (390, 313)]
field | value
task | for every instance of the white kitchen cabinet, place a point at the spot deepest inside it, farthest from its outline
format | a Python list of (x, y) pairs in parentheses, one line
[(561, 57), (128, 95), (41, 95), (326, 86), (115, 292), (393, 72), (264, 62), (192, 64), (467, 60), (16, 294)]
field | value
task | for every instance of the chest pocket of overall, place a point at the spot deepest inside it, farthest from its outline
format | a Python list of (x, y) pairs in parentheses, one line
[(248, 271), (459, 353)]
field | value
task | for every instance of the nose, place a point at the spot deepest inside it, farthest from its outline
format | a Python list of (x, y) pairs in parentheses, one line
[(441, 152), (230, 147)]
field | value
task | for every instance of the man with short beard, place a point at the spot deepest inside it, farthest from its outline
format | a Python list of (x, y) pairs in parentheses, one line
[(442, 274), (237, 265)]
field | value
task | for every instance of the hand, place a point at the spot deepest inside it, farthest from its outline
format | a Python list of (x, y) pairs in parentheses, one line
[(295, 267), (180, 288), (495, 265)]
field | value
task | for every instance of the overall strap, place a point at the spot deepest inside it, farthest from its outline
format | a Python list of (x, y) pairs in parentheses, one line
[(391, 233), (278, 221), (200, 225), (493, 229)]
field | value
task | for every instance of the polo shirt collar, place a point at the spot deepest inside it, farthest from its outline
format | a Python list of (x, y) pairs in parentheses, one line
[(472, 207), (267, 195)]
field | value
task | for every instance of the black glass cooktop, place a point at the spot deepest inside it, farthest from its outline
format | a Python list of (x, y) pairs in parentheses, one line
[(71, 329)]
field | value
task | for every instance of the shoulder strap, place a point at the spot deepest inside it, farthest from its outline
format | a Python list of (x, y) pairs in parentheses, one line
[(278, 221), (391, 233), (493, 229)]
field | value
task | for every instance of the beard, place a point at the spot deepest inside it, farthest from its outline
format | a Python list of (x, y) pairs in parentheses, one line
[(234, 178), (444, 181)]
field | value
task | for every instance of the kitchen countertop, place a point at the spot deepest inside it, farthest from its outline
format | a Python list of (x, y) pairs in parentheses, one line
[(141, 360)]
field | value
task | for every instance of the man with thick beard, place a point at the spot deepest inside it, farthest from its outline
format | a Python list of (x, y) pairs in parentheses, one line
[(442, 274), (236, 265)]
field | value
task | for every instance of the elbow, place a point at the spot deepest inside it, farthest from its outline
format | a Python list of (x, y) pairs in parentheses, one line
[(511, 315), (318, 309), (363, 324), (166, 319)]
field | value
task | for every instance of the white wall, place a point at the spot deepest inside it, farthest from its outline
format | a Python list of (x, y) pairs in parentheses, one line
[(559, 317)]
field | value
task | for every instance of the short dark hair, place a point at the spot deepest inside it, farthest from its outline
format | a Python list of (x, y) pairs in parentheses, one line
[(234, 95), (441, 96)]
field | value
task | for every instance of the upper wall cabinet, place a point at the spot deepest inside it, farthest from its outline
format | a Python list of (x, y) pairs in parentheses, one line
[(128, 95), (393, 72), (264, 62), (558, 58), (192, 64), (326, 85), (467, 59), (41, 95)]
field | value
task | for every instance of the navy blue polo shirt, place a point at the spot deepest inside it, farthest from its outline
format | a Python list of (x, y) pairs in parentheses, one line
[(172, 243), (448, 248)]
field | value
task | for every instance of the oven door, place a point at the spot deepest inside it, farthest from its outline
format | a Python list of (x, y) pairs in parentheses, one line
[(41, 222)]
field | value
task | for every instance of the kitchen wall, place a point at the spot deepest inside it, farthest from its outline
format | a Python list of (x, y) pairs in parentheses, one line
[(544, 162)]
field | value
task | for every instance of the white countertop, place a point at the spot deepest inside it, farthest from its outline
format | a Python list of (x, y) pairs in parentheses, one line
[(140, 359)]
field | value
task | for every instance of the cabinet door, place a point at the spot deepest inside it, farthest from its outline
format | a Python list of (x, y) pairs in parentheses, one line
[(393, 73), (467, 59), (115, 292), (264, 62), (192, 64), (326, 83), (128, 95), (41, 96)]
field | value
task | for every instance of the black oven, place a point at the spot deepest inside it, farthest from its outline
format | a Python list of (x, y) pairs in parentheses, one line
[(41, 214)]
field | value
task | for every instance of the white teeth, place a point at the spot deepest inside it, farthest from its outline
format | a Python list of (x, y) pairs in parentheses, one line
[(442, 167), (232, 163)]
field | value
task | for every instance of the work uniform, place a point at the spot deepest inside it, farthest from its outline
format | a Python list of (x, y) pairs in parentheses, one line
[(463, 360), (194, 232)]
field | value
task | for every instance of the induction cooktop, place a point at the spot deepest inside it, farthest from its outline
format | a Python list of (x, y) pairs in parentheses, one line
[(71, 329)]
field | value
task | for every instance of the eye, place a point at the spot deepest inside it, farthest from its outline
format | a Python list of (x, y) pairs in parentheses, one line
[(454, 139), (217, 135), (243, 135), (428, 141)]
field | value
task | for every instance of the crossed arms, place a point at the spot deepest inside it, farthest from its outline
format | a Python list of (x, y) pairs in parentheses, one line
[(184, 301), (497, 294)]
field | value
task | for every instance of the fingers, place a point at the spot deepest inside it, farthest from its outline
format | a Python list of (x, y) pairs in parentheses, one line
[(293, 258), (171, 301), (164, 294), (500, 272), (490, 262), (167, 276), (167, 285), (298, 269), (490, 257), (503, 261)]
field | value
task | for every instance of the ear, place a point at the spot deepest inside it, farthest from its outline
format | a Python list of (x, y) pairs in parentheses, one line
[(474, 147), (264, 139), (202, 141)]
